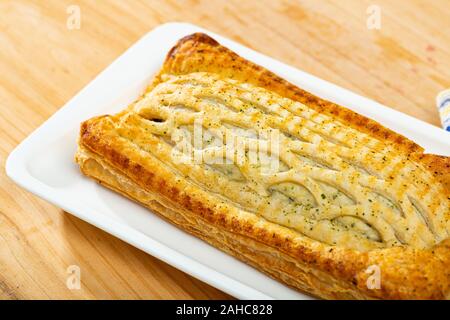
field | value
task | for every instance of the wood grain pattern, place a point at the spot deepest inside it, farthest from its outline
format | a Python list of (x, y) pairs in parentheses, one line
[(43, 64)]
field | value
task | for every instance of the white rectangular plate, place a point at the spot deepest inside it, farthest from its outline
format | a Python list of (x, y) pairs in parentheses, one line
[(43, 162)]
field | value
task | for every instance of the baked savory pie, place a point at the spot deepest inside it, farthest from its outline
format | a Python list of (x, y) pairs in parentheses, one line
[(337, 200)]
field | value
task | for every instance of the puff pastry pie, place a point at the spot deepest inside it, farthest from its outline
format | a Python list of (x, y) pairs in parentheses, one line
[(346, 199)]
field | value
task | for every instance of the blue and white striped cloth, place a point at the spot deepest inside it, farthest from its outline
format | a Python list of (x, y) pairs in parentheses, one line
[(443, 104)]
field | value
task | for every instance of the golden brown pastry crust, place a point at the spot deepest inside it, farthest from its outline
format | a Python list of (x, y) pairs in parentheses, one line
[(320, 269)]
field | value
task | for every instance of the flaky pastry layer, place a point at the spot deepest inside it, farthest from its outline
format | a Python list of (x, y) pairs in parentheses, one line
[(347, 194)]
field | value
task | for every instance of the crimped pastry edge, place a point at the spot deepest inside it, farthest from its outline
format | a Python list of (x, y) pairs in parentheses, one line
[(406, 272)]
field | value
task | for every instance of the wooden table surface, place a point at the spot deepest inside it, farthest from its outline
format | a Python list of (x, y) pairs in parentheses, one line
[(43, 63)]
